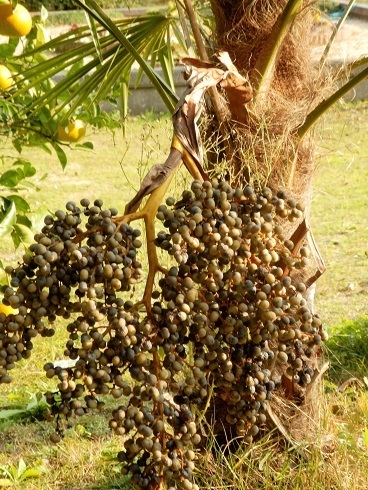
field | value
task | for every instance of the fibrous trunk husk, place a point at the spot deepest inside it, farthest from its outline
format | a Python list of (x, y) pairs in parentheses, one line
[(268, 152)]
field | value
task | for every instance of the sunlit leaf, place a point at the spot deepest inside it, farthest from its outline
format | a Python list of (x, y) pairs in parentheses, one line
[(5, 482), (94, 33), (314, 115), (24, 234), (8, 217), (15, 238), (21, 467), (24, 220), (20, 203), (45, 148), (60, 153), (44, 14), (267, 58), (7, 50), (17, 145), (139, 39), (336, 30), (9, 179), (28, 169), (10, 412), (88, 145)]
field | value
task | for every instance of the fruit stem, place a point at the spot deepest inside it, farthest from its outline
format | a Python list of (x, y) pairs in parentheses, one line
[(148, 213)]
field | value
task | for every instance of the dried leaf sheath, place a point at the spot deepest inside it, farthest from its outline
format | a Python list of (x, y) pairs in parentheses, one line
[(186, 144)]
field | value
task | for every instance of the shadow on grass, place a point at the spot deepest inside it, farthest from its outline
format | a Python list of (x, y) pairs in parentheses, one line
[(347, 350)]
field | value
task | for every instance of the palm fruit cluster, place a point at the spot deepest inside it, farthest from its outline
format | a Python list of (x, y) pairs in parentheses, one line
[(74, 273), (223, 322), (231, 298)]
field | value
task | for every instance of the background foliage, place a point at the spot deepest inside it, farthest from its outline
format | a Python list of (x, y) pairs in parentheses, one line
[(55, 5)]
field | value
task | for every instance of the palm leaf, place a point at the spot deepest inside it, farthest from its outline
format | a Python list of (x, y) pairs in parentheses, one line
[(141, 39), (168, 96), (349, 67), (336, 30), (124, 95), (151, 56), (94, 33), (314, 115), (268, 57)]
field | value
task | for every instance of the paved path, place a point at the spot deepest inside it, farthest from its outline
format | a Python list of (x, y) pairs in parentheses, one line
[(351, 42)]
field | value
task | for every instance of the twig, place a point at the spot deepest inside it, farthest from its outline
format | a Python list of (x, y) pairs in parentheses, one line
[(349, 382)]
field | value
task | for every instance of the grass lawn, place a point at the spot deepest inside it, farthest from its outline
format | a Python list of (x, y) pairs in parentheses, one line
[(338, 458), (339, 215)]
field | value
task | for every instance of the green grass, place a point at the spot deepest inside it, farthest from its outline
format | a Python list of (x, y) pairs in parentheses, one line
[(338, 455), (339, 214), (70, 17), (348, 350)]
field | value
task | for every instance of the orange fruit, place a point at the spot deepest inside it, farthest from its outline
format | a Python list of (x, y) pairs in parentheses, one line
[(6, 80), (62, 135), (14, 22), (75, 131)]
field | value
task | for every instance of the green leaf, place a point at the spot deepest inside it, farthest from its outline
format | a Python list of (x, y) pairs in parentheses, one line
[(8, 218), (24, 234), (136, 38), (32, 473), (349, 67), (60, 153), (167, 95), (24, 220), (17, 145), (10, 413), (40, 35), (28, 169), (313, 116), (16, 239), (44, 14), (87, 144), (13, 472), (20, 203), (124, 93), (7, 50), (45, 148), (21, 467), (9, 179), (265, 66), (5, 482), (95, 38)]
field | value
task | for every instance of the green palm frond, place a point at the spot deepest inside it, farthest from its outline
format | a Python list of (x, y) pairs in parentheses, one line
[(90, 73), (319, 111), (267, 59), (336, 30)]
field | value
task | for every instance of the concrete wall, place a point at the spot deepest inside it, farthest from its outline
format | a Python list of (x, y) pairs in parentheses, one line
[(359, 10), (145, 98)]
